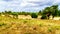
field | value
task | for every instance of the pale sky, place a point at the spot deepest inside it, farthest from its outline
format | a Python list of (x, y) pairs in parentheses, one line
[(26, 5)]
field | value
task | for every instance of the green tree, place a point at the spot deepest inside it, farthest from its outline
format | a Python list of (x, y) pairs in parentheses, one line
[(15, 14), (54, 10), (7, 13), (46, 12), (34, 15), (39, 13), (58, 12)]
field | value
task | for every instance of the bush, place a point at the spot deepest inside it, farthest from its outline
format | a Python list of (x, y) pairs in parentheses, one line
[(50, 29), (44, 17), (1, 24), (34, 15)]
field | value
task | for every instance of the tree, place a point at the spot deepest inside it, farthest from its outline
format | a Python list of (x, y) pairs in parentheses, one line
[(34, 15), (7, 13), (54, 10), (58, 12), (15, 14), (46, 12), (39, 13)]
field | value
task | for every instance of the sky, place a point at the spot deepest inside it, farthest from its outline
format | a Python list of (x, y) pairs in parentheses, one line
[(26, 5)]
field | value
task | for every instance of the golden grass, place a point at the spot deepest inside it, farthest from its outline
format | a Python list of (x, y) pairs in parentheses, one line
[(28, 26)]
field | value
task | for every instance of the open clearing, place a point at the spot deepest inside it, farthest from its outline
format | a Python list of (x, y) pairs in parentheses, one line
[(28, 26)]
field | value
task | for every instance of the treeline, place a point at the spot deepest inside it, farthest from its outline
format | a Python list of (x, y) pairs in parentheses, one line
[(45, 13), (15, 14)]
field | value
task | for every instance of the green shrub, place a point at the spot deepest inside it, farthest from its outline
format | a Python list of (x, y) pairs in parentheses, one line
[(50, 29), (34, 15), (43, 17), (41, 25), (1, 24), (25, 22)]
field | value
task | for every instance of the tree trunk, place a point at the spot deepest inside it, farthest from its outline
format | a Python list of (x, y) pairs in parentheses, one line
[(53, 17)]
